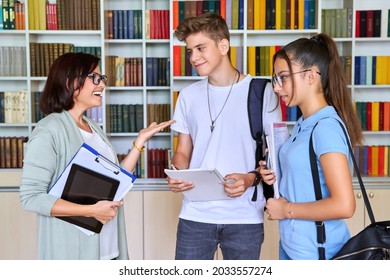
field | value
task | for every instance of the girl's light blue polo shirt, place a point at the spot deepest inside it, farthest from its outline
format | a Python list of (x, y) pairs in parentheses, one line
[(299, 237)]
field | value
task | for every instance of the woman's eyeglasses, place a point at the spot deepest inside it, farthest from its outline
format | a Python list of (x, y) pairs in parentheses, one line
[(279, 79), (96, 78)]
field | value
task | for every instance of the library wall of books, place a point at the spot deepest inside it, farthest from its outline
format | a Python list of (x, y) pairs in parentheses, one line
[(147, 66)]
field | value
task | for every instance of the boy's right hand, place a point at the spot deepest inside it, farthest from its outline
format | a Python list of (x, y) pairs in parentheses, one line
[(177, 185)]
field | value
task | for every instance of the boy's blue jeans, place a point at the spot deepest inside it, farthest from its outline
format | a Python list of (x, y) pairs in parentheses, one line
[(199, 241)]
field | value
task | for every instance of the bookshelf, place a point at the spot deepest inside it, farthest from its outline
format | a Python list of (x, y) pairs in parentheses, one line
[(245, 37)]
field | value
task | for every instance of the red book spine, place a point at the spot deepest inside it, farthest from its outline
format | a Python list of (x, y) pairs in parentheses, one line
[(176, 60), (370, 24), (381, 161), (368, 116), (357, 29)]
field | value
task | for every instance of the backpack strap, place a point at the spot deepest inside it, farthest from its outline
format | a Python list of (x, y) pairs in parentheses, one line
[(255, 114)]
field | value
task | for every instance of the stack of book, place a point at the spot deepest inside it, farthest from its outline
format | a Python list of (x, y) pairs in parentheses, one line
[(124, 71), (372, 70), (64, 15), (337, 23), (14, 107), (123, 24), (12, 61), (12, 152), (373, 160), (374, 116), (42, 55), (125, 117), (368, 23)]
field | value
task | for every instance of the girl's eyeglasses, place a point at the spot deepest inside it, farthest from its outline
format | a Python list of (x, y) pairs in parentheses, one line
[(279, 79), (96, 78)]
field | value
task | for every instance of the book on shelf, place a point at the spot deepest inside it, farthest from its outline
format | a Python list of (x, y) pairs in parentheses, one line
[(368, 23), (12, 151)]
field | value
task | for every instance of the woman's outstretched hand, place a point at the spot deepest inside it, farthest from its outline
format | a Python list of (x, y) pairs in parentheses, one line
[(146, 133)]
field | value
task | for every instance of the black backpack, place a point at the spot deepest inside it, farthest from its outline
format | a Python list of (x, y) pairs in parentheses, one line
[(255, 114)]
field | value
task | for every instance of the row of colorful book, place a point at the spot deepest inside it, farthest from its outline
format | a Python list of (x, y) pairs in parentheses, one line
[(337, 22), (373, 160), (12, 61), (123, 24), (12, 151), (42, 55), (14, 106), (181, 63), (281, 14), (368, 23), (124, 71), (64, 15), (260, 60), (12, 15), (374, 116), (158, 71), (372, 70)]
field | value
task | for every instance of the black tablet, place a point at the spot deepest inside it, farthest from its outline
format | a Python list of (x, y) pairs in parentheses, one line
[(85, 186)]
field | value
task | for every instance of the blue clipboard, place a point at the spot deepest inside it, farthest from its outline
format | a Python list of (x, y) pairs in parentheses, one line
[(86, 170)]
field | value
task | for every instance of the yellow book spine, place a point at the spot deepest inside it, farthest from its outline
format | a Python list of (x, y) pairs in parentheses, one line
[(31, 21), (301, 14), (278, 14), (252, 60), (257, 14), (292, 14), (262, 14), (375, 116), (42, 14), (388, 72), (381, 70), (374, 160), (233, 56)]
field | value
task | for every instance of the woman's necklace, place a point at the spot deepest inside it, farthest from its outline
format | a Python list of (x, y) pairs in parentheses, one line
[(223, 106)]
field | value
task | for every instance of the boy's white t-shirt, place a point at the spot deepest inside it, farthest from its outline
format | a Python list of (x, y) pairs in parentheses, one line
[(109, 234), (229, 148)]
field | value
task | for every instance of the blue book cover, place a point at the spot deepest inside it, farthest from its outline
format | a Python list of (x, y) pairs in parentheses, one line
[(1, 17), (115, 25), (365, 160), (306, 14), (125, 25), (130, 24), (374, 70), (357, 70), (363, 67), (241, 14)]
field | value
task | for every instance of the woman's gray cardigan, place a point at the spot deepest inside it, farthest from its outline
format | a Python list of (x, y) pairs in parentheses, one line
[(53, 143)]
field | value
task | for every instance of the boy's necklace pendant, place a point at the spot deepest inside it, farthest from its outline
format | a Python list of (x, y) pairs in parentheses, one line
[(212, 126)]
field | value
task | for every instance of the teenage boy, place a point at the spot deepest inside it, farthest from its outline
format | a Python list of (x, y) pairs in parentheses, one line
[(213, 132)]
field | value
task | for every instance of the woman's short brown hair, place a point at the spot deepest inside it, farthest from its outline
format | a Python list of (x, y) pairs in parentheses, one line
[(67, 74)]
